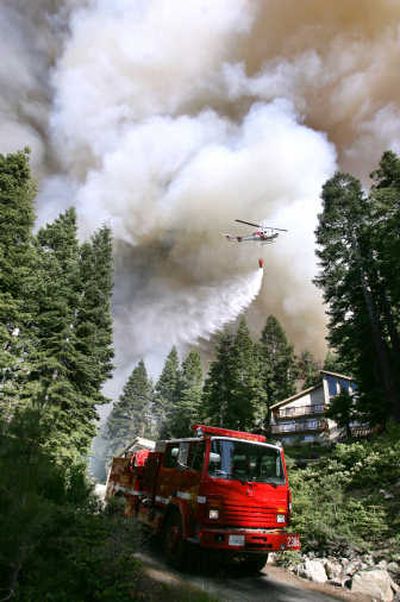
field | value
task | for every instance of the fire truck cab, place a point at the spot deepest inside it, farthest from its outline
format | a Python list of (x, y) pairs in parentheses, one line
[(220, 490)]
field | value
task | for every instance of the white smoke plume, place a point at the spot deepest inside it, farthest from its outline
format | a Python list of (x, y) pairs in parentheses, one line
[(203, 310), (168, 122)]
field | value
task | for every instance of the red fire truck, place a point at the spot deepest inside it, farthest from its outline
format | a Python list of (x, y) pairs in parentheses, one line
[(221, 490)]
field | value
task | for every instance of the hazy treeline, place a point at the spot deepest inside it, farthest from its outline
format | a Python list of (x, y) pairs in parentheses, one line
[(243, 380)]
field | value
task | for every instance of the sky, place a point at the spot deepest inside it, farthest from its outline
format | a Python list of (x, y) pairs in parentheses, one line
[(167, 120)]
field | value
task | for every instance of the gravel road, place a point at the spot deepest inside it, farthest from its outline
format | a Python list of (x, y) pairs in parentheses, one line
[(273, 585)]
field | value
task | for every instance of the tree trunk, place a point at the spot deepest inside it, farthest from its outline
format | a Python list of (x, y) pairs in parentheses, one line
[(386, 372)]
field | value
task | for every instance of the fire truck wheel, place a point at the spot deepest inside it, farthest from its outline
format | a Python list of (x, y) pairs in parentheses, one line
[(254, 563), (175, 548)]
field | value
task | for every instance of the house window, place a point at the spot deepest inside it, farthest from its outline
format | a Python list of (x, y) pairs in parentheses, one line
[(287, 428), (343, 386), (332, 386)]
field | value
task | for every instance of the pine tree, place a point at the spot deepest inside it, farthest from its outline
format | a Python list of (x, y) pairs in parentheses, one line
[(247, 407), (385, 238), (52, 386), (49, 294), (17, 217), (342, 408), (93, 319), (279, 369), (308, 369), (17, 261), (234, 396), (356, 295), (131, 414), (167, 393), (217, 386), (186, 410), (72, 333), (333, 363)]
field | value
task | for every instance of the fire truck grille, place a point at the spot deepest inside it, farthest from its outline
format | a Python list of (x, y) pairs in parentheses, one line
[(236, 515)]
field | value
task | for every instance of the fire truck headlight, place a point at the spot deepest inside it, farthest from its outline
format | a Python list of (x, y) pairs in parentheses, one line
[(280, 518), (213, 513)]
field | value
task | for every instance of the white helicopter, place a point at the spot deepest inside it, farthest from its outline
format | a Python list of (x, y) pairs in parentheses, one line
[(264, 234)]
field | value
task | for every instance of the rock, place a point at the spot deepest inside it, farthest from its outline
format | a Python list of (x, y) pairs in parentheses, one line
[(375, 583), (314, 570), (334, 570), (354, 566), (393, 567), (272, 558), (368, 559)]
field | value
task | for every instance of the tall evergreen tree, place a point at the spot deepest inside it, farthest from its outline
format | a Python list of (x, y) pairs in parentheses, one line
[(384, 234), (333, 363), (234, 396), (131, 414), (248, 400), (167, 392), (279, 369), (217, 386), (52, 383), (16, 258), (93, 319), (186, 410), (55, 322), (72, 332), (308, 369), (355, 294), (17, 262)]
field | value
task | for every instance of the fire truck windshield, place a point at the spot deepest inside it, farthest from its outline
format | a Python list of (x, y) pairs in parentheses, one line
[(245, 461)]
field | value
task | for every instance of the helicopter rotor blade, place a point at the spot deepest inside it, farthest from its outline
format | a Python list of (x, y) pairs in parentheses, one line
[(272, 228), (241, 221)]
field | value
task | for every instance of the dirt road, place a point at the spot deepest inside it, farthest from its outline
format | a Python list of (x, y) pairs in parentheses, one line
[(273, 585)]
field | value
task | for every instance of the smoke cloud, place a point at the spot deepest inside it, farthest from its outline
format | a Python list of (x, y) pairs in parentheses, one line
[(168, 123)]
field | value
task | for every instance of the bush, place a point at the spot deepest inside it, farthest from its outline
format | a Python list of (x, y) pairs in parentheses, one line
[(350, 499), (56, 543), (89, 558)]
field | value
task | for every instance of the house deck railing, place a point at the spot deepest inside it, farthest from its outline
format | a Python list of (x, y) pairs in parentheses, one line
[(301, 411), (299, 427)]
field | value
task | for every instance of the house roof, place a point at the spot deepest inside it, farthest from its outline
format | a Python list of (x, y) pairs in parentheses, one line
[(342, 376), (306, 391), (296, 396)]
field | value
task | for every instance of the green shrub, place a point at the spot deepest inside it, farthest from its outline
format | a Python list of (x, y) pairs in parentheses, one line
[(56, 544), (89, 558), (350, 499)]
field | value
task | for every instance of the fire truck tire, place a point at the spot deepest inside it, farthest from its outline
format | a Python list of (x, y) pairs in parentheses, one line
[(175, 548), (254, 563)]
